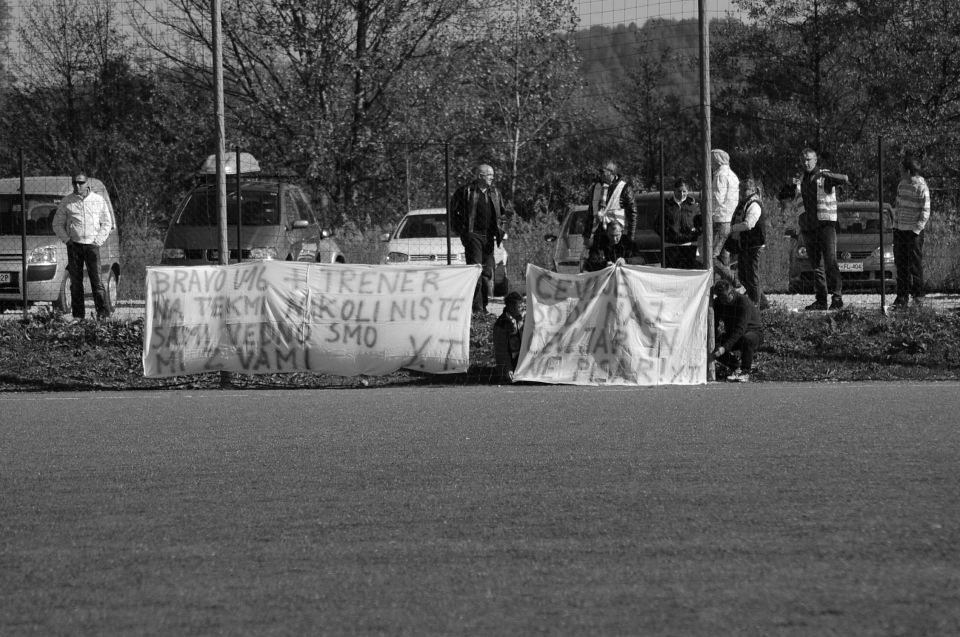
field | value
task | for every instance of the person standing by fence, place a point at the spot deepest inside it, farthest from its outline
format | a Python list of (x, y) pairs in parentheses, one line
[(818, 189), (611, 199), (83, 222), (726, 194), (750, 228), (475, 211), (912, 211)]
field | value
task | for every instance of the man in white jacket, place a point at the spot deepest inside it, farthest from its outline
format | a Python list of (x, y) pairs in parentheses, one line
[(83, 222)]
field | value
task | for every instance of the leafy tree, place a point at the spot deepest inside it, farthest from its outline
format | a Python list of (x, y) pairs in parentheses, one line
[(314, 86), (82, 102)]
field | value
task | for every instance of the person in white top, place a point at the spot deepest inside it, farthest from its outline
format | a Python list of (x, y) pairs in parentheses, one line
[(726, 196), (83, 222), (912, 212)]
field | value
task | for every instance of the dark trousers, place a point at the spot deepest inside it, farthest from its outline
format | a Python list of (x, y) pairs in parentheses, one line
[(908, 257), (821, 245), (478, 249), (80, 255), (747, 345), (721, 255), (749, 272), (681, 257)]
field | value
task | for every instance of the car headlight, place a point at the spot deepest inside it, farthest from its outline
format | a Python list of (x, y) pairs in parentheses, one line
[(263, 253), (42, 255), (802, 252), (398, 257), (887, 254), (174, 253)]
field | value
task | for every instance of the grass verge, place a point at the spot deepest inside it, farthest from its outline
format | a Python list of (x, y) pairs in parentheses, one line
[(46, 354)]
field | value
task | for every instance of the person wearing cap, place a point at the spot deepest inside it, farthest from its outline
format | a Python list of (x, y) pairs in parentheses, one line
[(507, 334), (83, 222)]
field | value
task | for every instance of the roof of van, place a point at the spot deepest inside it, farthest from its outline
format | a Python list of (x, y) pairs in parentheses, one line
[(52, 185)]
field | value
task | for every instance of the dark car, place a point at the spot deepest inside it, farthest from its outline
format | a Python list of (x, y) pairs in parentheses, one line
[(568, 254), (276, 222), (858, 249)]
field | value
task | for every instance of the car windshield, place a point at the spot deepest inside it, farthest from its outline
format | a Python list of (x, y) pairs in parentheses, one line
[(862, 221), (424, 227), (40, 211), (258, 209)]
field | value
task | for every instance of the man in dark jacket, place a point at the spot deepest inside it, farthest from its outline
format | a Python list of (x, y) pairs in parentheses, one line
[(681, 224), (475, 210), (606, 253), (738, 320)]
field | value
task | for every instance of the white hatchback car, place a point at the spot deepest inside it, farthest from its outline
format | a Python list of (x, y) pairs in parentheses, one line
[(421, 239)]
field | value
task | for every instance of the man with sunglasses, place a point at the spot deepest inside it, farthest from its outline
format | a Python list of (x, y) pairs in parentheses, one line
[(83, 222)]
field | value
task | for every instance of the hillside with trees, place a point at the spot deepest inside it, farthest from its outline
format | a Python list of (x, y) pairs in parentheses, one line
[(366, 101)]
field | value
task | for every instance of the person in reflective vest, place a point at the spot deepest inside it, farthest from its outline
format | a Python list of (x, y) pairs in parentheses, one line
[(611, 198), (818, 190)]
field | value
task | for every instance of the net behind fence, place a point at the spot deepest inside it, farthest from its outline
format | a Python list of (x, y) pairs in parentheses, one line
[(545, 93)]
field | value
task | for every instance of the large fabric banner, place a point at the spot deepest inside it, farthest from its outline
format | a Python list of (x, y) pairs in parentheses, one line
[(268, 317), (624, 325)]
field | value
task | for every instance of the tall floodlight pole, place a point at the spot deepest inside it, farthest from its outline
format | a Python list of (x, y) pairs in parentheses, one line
[(706, 194), (221, 134)]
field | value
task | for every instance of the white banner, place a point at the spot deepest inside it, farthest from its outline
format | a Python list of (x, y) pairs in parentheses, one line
[(624, 325), (268, 317)]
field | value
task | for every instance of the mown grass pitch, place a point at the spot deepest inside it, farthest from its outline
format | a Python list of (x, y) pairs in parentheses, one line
[(762, 509)]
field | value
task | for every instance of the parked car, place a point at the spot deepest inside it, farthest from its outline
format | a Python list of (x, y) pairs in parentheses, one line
[(46, 273), (421, 239), (276, 222), (858, 249), (568, 253)]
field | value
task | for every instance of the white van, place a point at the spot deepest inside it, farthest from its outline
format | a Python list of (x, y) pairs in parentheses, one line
[(46, 273)]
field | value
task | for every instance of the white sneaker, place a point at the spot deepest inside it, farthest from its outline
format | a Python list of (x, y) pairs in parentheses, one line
[(738, 377)]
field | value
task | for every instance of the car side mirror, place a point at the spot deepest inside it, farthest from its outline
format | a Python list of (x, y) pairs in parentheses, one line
[(550, 238), (300, 223), (385, 236)]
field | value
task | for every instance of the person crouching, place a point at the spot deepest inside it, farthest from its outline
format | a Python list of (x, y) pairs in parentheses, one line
[(738, 319)]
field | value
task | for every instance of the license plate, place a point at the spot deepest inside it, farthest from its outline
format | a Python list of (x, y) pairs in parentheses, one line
[(851, 267), (5, 277)]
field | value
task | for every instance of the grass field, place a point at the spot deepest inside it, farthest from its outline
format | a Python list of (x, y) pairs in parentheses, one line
[(408, 511)]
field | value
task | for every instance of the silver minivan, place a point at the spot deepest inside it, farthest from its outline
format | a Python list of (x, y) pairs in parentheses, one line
[(46, 276)]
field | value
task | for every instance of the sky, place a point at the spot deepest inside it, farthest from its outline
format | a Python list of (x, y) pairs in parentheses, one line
[(614, 12)]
